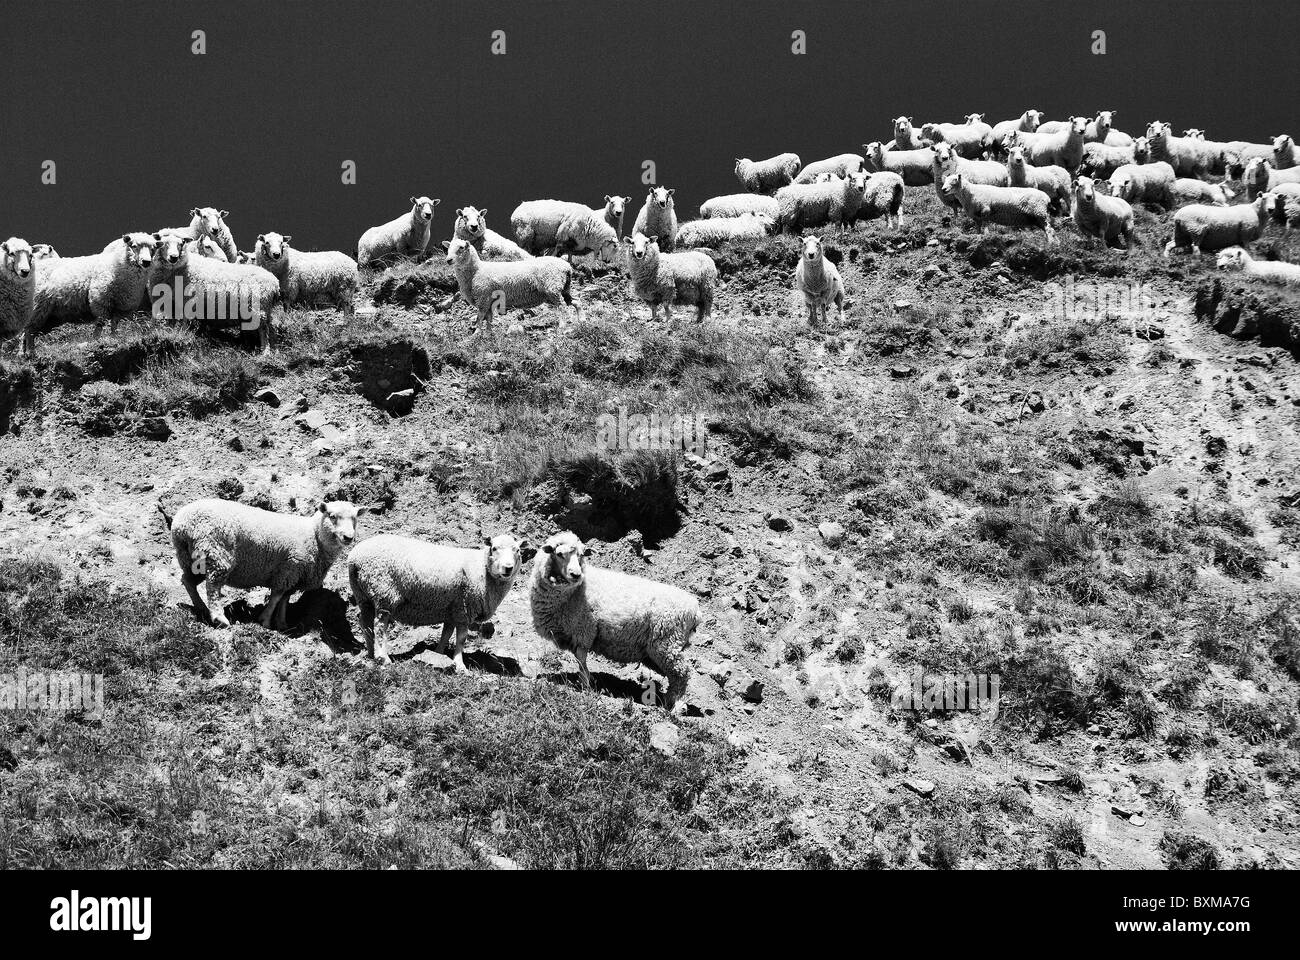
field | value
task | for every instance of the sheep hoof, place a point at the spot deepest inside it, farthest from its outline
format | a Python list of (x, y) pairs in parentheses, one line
[(219, 620)]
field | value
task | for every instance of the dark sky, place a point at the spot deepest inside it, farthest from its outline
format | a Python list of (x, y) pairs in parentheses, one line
[(142, 130)]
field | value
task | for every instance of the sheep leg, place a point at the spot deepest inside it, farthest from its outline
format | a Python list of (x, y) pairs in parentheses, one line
[(282, 612), (580, 654), (268, 612), (447, 629), (812, 314), (458, 658), (213, 586), (378, 648), (366, 610), (192, 588)]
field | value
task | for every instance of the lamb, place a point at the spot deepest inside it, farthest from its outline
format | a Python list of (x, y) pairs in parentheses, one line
[(944, 162), (1188, 156), (765, 176), (1186, 190), (841, 166), (716, 231), (101, 286), (411, 581), (208, 222), (1009, 206), (819, 281), (1270, 271), (227, 543), (1028, 122), (626, 619), (1203, 227), (43, 251), (17, 286), (1063, 148), (1261, 177), (916, 167), (615, 208), (500, 285), (471, 225), (658, 217), (555, 226), (1053, 181), (737, 205), (1144, 183), (804, 205), (1106, 218), (967, 140), (882, 196), (406, 237), (1101, 160), (671, 279), (308, 276), (906, 136)]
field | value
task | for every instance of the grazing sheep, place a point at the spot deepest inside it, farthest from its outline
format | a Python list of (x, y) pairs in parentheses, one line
[(841, 166), (1028, 122), (227, 543), (1062, 148), (1203, 227), (626, 619), (43, 251), (882, 196), (615, 209), (766, 176), (1186, 190), (559, 226), (17, 286), (658, 217), (671, 279), (1270, 271), (944, 162), (1188, 156), (906, 136), (801, 206), (410, 581), (471, 225), (500, 285), (308, 277), (1144, 183), (1008, 206), (1053, 181), (405, 237), (916, 167), (967, 140), (1108, 219), (819, 281), (716, 231), (1260, 176), (737, 205), (1100, 160), (208, 222), (101, 286)]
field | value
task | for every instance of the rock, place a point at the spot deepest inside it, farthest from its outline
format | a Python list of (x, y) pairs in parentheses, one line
[(400, 402), (831, 532), (154, 428), (1094, 729), (300, 403), (902, 304), (439, 661), (664, 736), (717, 473), (901, 372), (923, 788), (272, 399), (779, 522), (1035, 402), (743, 742), (235, 443), (752, 690)]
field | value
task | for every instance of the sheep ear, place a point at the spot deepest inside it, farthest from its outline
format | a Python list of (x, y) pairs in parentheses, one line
[(223, 214), (126, 238), (286, 238), (654, 239), (460, 211), (522, 545), (436, 202), (547, 548), (194, 212), (321, 508), (446, 244), (671, 191), (607, 198), (157, 238), (261, 238), (412, 200)]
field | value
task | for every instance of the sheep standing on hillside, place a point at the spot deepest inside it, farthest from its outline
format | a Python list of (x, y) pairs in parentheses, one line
[(719, 230), (1144, 183), (492, 286), (1008, 206), (471, 225), (882, 196), (916, 167), (405, 237), (208, 222), (1027, 122), (1101, 160), (1099, 128), (626, 619), (224, 543), (738, 205), (1201, 227), (1053, 181), (658, 217), (906, 136), (818, 280), (802, 206), (671, 279), (615, 210), (1108, 219), (840, 166), (1188, 156), (765, 176), (967, 140), (944, 162), (17, 286), (1260, 176), (560, 226), (1270, 271), (1063, 148), (308, 277), (404, 580)]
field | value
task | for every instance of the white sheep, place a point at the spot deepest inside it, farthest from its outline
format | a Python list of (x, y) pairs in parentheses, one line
[(308, 277), (916, 167), (671, 279), (224, 543), (404, 580), (658, 217), (1290, 212), (207, 247), (1144, 183), (1053, 181), (43, 251), (737, 205), (1202, 227), (623, 618), (804, 205), (208, 222), (405, 237), (944, 161), (881, 196), (1188, 156), (471, 225), (1027, 122), (1187, 190), (615, 210), (1100, 160), (492, 286), (841, 165), (1061, 148), (1108, 219), (1270, 271), (1099, 128), (818, 280), (1008, 206), (1261, 176), (1284, 196), (766, 176), (967, 140), (906, 136), (716, 231), (17, 286), (559, 226), (1283, 151)]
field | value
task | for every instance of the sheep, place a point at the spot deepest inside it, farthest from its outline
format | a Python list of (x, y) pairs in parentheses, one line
[(671, 279), (1028, 122), (471, 225), (555, 226), (906, 136), (101, 286), (944, 162), (414, 582), (226, 543), (1099, 128), (841, 166), (500, 285), (1203, 227), (1100, 160), (716, 231), (1270, 271), (208, 222), (1291, 210), (819, 281), (626, 619), (1187, 190), (967, 140), (916, 167), (882, 196), (1144, 183), (1062, 148), (1283, 152), (1284, 200), (1261, 177), (804, 205), (17, 286), (1009, 206), (658, 217), (248, 256), (43, 251), (1188, 156), (1238, 153), (737, 205), (182, 287), (406, 237), (308, 276), (207, 247), (1106, 218), (1053, 181), (766, 176), (615, 208)]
